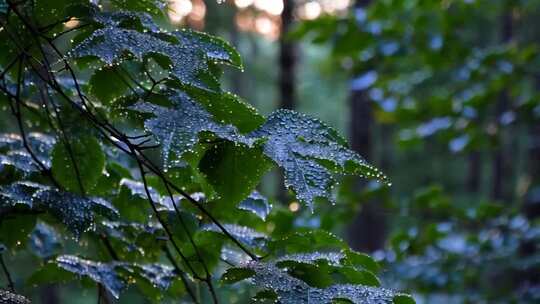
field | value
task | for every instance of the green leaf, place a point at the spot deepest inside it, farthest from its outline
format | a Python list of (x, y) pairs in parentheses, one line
[(102, 273), (292, 290), (76, 212), (256, 204), (357, 259), (317, 240), (309, 151), (330, 264), (403, 299), (155, 7), (233, 275), (228, 108), (109, 44), (115, 276), (177, 128), (214, 48), (84, 161), (106, 85), (244, 234), (13, 152), (227, 159)]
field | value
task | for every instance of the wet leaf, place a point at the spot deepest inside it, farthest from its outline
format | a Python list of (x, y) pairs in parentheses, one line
[(13, 153), (115, 276), (177, 128), (228, 159), (83, 161), (76, 212), (214, 48), (233, 275), (244, 234), (257, 204), (304, 148), (9, 297), (102, 273), (292, 290), (109, 44)]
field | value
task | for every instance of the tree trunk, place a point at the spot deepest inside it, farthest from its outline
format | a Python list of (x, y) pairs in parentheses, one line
[(501, 170), (287, 71), (367, 231), (287, 58), (474, 174)]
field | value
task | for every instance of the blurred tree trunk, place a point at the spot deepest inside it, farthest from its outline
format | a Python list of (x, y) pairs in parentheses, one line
[(501, 170), (367, 231), (532, 199), (287, 72), (474, 174)]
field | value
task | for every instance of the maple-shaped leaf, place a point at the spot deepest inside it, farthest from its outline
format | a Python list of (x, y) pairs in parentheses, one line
[(177, 128), (75, 211), (109, 44), (115, 276), (310, 152)]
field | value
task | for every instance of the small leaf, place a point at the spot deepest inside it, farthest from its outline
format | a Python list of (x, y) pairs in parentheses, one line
[(257, 204), (157, 275), (403, 299), (245, 235), (233, 275), (9, 297), (84, 161)]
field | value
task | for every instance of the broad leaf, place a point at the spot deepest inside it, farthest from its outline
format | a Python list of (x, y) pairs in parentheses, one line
[(115, 276), (224, 160), (309, 152), (292, 290), (76, 212), (177, 128), (110, 43), (102, 273), (78, 165), (214, 48)]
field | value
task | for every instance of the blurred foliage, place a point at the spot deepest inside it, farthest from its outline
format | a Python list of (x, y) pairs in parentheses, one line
[(455, 85), (130, 174)]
